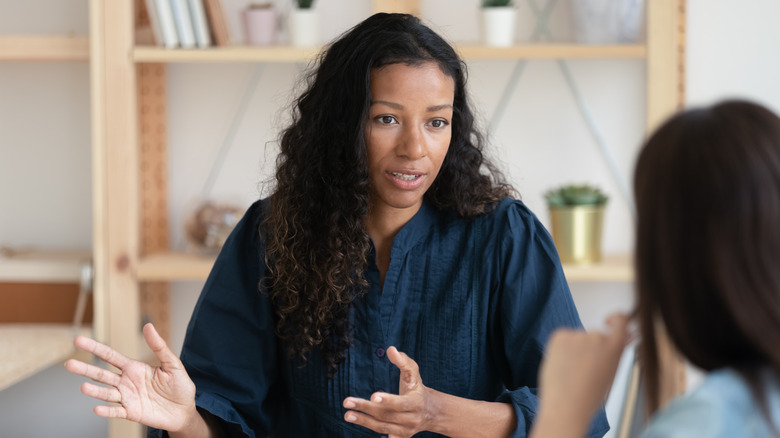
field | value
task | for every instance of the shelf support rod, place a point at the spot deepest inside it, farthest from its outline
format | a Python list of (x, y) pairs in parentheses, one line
[(542, 15), (224, 148), (606, 154)]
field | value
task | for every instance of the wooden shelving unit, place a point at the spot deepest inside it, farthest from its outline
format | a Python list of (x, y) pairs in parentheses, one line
[(27, 348), (297, 54), (124, 265)]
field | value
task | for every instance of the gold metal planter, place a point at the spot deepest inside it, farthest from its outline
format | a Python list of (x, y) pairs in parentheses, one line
[(577, 233)]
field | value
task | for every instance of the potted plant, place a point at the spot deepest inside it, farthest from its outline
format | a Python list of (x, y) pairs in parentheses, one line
[(302, 24), (498, 23), (577, 218)]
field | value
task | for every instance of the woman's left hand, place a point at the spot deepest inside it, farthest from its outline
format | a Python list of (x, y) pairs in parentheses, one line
[(401, 415)]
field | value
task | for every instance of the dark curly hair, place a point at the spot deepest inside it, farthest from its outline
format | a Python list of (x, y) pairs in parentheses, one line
[(316, 243)]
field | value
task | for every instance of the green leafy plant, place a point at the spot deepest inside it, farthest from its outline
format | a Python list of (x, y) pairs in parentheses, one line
[(496, 3), (571, 195), (304, 4)]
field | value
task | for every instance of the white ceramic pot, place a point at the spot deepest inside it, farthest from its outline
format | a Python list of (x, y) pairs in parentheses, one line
[(498, 26), (607, 21), (303, 27), (260, 26)]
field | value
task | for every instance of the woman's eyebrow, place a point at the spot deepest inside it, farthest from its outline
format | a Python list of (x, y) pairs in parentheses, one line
[(399, 106)]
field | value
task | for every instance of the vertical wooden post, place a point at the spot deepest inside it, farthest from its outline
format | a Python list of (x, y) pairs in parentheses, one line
[(115, 182), (155, 297), (665, 88), (402, 6), (664, 60)]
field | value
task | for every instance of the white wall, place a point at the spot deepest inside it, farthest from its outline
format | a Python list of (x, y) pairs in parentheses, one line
[(541, 141)]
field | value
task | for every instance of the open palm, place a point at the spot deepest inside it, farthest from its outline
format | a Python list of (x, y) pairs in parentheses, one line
[(162, 397)]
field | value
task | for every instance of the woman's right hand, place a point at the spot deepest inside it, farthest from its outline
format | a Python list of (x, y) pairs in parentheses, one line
[(162, 397)]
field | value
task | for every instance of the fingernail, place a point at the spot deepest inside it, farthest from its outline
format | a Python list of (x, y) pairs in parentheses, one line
[(349, 404), (378, 398), (351, 417)]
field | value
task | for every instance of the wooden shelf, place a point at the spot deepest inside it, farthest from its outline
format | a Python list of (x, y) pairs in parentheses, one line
[(193, 267), (554, 51), (44, 48), (295, 54), (174, 267), (26, 349), (225, 54), (35, 266), (613, 267)]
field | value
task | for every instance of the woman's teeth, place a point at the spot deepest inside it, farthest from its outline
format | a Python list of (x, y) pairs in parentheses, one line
[(405, 177)]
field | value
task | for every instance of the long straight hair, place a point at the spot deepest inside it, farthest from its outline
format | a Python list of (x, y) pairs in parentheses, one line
[(707, 187)]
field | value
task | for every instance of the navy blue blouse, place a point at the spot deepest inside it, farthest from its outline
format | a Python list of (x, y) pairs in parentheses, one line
[(471, 301)]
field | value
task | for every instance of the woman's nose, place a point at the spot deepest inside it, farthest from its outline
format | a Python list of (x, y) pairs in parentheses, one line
[(412, 143)]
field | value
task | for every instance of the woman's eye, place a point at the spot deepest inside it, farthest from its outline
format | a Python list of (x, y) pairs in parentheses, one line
[(386, 120), (438, 123)]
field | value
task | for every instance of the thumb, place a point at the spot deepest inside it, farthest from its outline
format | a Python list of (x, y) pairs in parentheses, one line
[(168, 360), (410, 372)]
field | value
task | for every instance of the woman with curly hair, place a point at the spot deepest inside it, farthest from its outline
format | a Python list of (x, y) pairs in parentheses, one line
[(389, 284)]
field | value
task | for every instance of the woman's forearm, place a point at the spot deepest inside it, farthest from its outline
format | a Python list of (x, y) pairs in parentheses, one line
[(460, 417)]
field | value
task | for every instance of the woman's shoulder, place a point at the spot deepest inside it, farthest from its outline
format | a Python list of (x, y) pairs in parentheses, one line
[(510, 214), (721, 406)]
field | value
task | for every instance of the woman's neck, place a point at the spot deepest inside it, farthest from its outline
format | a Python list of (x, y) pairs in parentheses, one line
[(382, 225)]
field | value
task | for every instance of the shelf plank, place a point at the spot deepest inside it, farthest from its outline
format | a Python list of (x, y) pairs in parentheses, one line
[(193, 267), (171, 266), (44, 48), (612, 268), (553, 51), (36, 266), (26, 349), (296, 54), (225, 54)]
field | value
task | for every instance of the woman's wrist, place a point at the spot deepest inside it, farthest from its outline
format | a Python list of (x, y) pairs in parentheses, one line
[(195, 425), (461, 417), (557, 423)]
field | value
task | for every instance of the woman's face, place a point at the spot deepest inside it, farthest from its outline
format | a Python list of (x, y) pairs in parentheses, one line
[(408, 132)]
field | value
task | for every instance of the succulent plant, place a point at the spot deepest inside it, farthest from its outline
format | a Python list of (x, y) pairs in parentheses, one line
[(572, 194), (496, 3)]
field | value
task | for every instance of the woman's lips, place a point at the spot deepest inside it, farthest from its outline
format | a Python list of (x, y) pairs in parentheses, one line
[(406, 179)]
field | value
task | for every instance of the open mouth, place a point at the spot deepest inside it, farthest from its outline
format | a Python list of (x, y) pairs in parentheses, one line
[(405, 176)]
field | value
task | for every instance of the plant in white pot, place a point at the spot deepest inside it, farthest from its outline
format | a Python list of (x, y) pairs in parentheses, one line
[(303, 24), (498, 22)]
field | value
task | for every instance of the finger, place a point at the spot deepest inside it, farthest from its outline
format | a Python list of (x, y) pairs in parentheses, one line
[(618, 329), (105, 393), (382, 406), (102, 351), (372, 423), (100, 375), (410, 373), (168, 359), (110, 411)]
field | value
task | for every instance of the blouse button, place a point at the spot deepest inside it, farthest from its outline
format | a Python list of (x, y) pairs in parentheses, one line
[(380, 352), (384, 436)]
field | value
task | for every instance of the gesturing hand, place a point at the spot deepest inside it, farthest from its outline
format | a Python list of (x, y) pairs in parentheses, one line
[(576, 374), (400, 415), (161, 397)]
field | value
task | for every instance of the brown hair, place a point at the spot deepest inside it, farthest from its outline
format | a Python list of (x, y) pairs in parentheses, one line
[(707, 187)]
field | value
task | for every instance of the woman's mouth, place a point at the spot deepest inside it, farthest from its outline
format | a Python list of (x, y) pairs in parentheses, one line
[(405, 176)]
